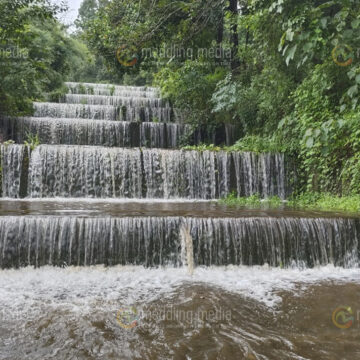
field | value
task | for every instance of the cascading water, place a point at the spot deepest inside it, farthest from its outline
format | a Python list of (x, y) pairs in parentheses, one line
[(13, 169), (112, 90), (115, 100), (62, 171), (103, 112), (260, 174), (96, 132), (243, 262), (153, 241), (102, 172), (146, 120)]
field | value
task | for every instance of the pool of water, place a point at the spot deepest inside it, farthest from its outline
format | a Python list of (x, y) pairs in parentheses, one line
[(217, 313), (131, 207)]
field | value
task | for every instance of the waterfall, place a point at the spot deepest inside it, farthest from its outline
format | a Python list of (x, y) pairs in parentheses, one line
[(12, 169), (103, 112), (94, 112), (114, 116), (115, 100), (262, 174), (96, 132), (112, 90), (103, 172), (118, 142), (83, 171), (154, 241)]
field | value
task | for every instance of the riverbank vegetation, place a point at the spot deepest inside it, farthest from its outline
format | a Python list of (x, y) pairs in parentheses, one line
[(37, 55), (304, 201), (285, 73)]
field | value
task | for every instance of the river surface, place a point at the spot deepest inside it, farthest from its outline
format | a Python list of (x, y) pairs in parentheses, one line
[(144, 207), (217, 313)]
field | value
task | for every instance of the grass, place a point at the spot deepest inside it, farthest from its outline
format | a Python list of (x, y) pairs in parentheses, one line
[(326, 201), (251, 201), (247, 144), (306, 201), (203, 147)]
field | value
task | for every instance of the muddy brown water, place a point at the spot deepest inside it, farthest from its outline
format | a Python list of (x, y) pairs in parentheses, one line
[(160, 208), (195, 321)]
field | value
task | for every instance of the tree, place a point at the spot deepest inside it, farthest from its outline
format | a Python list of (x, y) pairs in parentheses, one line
[(87, 12), (36, 54)]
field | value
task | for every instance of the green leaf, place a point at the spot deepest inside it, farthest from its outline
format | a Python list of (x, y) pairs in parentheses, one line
[(289, 35), (355, 23), (342, 108), (291, 54), (351, 74), (310, 142), (323, 22), (326, 5), (353, 91)]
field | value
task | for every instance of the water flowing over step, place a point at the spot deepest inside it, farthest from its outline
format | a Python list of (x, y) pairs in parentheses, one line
[(154, 241), (137, 117), (103, 112), (115, 100), (98, 132), (109, 102), (112, 90), (99, 172)]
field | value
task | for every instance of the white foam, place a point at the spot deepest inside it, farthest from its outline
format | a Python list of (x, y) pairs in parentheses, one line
[(80, 289)]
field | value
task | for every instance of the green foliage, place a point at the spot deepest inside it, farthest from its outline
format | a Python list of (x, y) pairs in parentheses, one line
[(326, 201), (87, 12), (36, 55), (32, 141), (112, 90), (305, 201), (253, 201), (58, 94), (258, 144), (21, 74), (312, 29), (189, 88), (203, 147)]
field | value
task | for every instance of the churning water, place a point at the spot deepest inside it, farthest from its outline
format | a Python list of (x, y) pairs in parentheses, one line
[(136, 313)]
